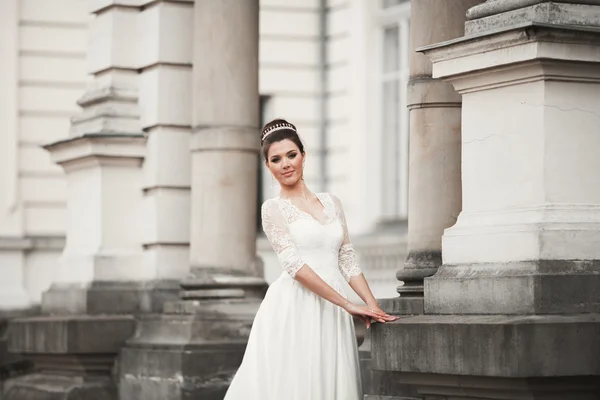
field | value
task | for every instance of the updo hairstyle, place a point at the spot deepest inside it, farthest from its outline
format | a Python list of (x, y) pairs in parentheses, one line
[(276, 131)]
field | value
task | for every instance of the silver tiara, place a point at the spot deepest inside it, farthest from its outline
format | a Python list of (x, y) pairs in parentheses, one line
[(276, 127)]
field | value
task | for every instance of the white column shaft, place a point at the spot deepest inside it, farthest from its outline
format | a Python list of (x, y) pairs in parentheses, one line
[(226, 135)]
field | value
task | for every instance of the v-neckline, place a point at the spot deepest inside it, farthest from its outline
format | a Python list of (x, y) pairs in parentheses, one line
[(322, 223)]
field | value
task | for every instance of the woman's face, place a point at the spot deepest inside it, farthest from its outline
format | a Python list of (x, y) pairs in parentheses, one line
[(285, 162)]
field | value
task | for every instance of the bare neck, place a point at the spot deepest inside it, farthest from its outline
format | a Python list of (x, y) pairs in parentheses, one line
[(299, 191)]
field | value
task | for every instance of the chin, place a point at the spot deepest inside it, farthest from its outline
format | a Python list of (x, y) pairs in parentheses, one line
[(291, 181)]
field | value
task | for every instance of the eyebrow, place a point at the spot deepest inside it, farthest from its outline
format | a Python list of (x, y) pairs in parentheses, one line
[(277, 155)]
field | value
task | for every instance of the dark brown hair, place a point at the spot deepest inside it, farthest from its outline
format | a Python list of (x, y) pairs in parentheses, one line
[(279, 135)]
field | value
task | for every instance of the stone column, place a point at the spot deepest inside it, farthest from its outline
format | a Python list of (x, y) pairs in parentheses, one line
[(165, 98), (516, 300), (526, 239), (435, 115), (225, 147), (102, 161), (101, 280), (194, 348)]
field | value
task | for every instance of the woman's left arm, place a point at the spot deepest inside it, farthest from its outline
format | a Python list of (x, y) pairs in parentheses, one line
[(359, 284), (348, 262)]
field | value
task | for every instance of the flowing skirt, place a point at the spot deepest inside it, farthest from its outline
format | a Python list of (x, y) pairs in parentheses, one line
[(301, 347)]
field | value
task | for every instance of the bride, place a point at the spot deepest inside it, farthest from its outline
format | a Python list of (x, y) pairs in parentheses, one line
[(302, 345)]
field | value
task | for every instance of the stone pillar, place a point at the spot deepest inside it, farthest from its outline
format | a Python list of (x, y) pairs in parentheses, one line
[(194, 348), (102, 161), (516, 300), (435, 115), (226, 141), (165, 97), (526, 239), (103, 279)]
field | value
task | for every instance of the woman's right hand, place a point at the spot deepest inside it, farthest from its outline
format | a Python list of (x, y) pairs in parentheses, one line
[(366, 314)]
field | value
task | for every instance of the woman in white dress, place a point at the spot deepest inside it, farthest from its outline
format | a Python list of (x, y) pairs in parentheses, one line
[(302, 345)]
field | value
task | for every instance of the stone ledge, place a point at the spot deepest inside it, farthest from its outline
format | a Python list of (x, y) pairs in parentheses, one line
[(402, 305), (70, 334), (494, 346), (197, 323), (511, 46), (114, 298), (195, 362), (521, 288), (494, 7), (53, 387), (11, 364), (93, 149), (434, 386), (546, 12), (21, 243)]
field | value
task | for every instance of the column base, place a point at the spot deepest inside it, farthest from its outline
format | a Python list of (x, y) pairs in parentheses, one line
[(191, 351), (535, 287), (418, 266), (73, 356), (110, 297), (376, 385), (12, 365), (204, 283)]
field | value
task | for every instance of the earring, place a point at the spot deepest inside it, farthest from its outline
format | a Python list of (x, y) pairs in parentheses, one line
[(272, 181)]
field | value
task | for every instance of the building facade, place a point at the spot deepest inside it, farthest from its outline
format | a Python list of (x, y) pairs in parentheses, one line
[(131, 182), (326, 66)]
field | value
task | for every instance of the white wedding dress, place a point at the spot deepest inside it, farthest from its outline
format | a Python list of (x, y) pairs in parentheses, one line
[(301, 346)]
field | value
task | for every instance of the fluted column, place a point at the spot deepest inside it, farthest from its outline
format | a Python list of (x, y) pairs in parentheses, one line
[(435, 126), (225, 145)]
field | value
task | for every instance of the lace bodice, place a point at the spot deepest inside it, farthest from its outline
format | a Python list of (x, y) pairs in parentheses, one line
[(298, 238)]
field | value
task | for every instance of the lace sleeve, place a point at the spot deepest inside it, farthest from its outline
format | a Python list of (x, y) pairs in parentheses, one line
[(275, 228), (347, 260)]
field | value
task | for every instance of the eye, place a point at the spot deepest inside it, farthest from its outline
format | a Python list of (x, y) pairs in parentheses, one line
[(275, 159), (293, 155)]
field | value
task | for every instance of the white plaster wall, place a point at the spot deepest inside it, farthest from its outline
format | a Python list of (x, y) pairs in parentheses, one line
[(10, 212), (51, 75), (290, 75), (42, 49), (289, 72), (39, 271), (52, 46)]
